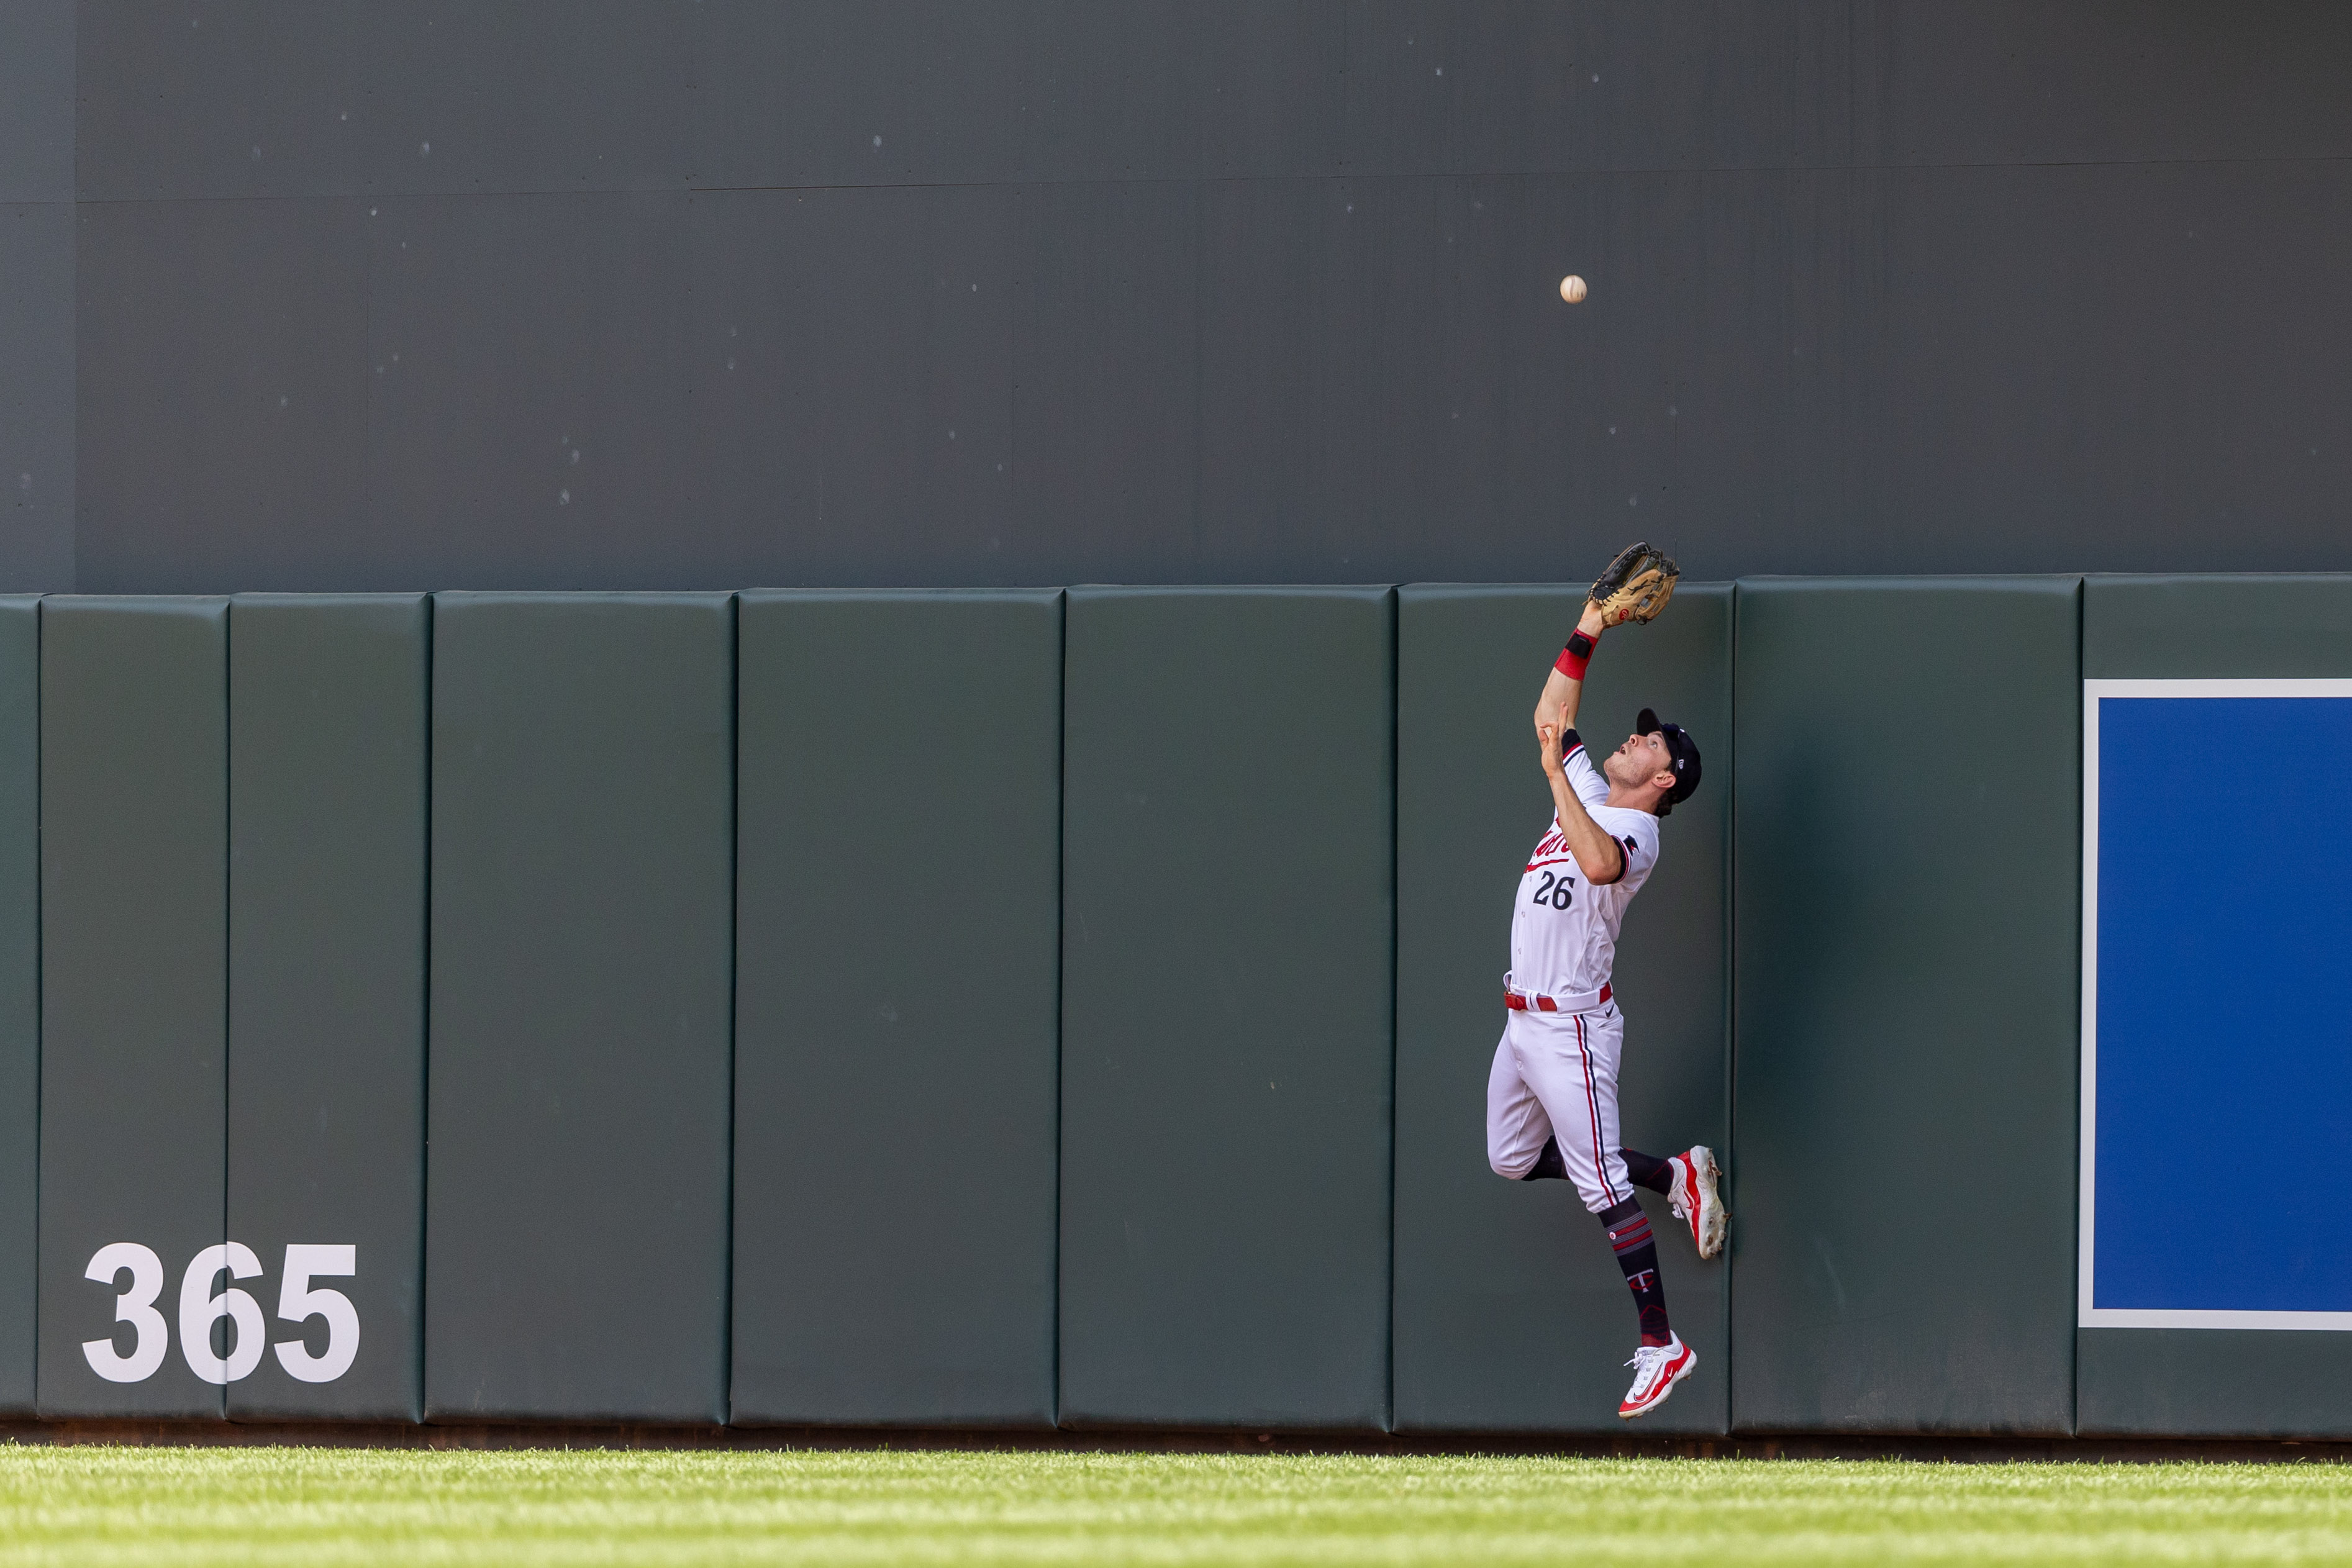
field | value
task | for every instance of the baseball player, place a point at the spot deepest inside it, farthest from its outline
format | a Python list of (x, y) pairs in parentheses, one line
[(1551, 1098)]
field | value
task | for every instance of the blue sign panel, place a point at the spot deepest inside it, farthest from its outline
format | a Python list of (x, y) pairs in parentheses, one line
[(2216, 1004)]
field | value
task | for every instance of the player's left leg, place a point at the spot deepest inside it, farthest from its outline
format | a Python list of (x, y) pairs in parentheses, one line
[(1662, 1359)]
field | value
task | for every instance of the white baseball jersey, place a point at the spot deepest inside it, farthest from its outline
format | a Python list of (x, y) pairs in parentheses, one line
[(1563, 928)]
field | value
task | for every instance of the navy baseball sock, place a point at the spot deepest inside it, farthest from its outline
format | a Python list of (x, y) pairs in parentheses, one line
[(1548, 1166), (1637, 1255), (1654, 1173)]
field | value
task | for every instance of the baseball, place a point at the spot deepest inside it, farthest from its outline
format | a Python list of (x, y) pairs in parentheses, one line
[(1571, 288)]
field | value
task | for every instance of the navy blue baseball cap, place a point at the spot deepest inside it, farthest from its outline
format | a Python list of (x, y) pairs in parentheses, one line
[(1681, 748)]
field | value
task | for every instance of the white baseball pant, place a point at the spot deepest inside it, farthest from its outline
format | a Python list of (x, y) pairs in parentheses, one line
[(1555, 1076)]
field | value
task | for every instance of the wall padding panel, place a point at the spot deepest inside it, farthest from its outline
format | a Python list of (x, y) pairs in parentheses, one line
[(1905, 936), (326, 1061), (1226, 1006), (1511, 1313), (2156, 628), (582, 844), (897, 1002), (134, 970), (2196, 1382), (20, 995)]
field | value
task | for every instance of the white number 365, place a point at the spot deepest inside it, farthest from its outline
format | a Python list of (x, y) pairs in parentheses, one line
[(200, 1308)]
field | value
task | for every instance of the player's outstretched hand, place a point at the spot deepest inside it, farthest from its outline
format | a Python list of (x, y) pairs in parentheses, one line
[(1635, 586), (1547, 748)]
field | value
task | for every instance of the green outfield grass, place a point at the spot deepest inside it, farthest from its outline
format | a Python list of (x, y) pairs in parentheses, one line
[(333, 1506)]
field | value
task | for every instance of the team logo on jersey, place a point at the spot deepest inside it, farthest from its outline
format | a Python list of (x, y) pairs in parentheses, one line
[(1554, 846)]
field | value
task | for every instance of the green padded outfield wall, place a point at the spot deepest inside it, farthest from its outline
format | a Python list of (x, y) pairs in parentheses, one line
[(325, 996), (135, 971), (581, 948), (897, 1001), (1226, 1006), (20, 993), (1511, 1313), (2266, 1383), (1905, 950)]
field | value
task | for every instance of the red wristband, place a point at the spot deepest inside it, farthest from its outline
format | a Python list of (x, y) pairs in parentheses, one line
[(1576, 655)]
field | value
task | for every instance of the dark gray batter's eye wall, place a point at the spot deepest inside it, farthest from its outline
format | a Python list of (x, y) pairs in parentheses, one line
[(581, 948), (20, 994), (1904, 938), (37, 294), (36, 102), (326, 1052), (1511, 1313), (2194, 1381), (897, 1005), (633, 293), (37, 418), (1227, 901), (134, 975)]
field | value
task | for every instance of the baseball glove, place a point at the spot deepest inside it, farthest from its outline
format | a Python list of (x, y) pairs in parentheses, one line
[(1636, 586)]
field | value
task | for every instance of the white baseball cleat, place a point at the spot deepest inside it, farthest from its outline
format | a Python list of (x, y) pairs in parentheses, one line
[(1695, 1198), (1656, 1369)]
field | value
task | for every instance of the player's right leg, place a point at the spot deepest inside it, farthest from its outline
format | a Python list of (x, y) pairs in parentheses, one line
[(1692, 1184), (1698, 1196), (1518, 1133), (1570, 1068)]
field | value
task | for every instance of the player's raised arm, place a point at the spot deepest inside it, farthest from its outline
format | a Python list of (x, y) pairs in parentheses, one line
[(1564, 687), (1599, 856), (1635, 587)]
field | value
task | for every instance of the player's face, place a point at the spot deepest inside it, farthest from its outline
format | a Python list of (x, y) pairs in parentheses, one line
[(1639, 759)]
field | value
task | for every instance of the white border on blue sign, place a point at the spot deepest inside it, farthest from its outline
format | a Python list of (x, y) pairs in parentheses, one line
[(2086, 1315)]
